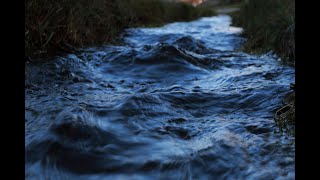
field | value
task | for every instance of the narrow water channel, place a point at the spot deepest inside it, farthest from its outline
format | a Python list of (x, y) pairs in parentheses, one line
[(174, 102)]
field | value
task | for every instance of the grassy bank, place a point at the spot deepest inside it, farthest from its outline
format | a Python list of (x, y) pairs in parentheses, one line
[(268, 25), (52, 26)]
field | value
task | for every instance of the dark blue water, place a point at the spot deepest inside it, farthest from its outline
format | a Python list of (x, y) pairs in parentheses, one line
[(175, 102)]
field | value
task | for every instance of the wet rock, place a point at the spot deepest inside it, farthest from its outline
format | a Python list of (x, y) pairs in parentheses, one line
[(257, 130)]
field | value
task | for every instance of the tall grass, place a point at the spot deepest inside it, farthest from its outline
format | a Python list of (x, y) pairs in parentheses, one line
[(52, 26), (269, 25)]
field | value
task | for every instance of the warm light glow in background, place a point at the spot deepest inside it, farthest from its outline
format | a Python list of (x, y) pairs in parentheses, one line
[(193, 2)]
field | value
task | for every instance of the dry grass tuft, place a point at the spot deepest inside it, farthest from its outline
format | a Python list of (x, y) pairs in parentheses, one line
[(52, 26)]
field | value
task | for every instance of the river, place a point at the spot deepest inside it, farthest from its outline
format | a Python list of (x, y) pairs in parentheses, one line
[(173, 102)]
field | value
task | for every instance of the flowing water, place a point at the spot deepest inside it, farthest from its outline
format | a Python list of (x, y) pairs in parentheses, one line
[(174, 102)]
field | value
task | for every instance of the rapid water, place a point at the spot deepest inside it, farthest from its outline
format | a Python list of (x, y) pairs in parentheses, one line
[(174, 102)]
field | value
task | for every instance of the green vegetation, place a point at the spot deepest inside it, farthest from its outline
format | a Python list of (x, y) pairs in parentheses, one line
[(268, 25), (52, 26)]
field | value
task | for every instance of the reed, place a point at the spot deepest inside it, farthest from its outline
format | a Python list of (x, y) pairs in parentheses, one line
[(268, 25), (52, 26)]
